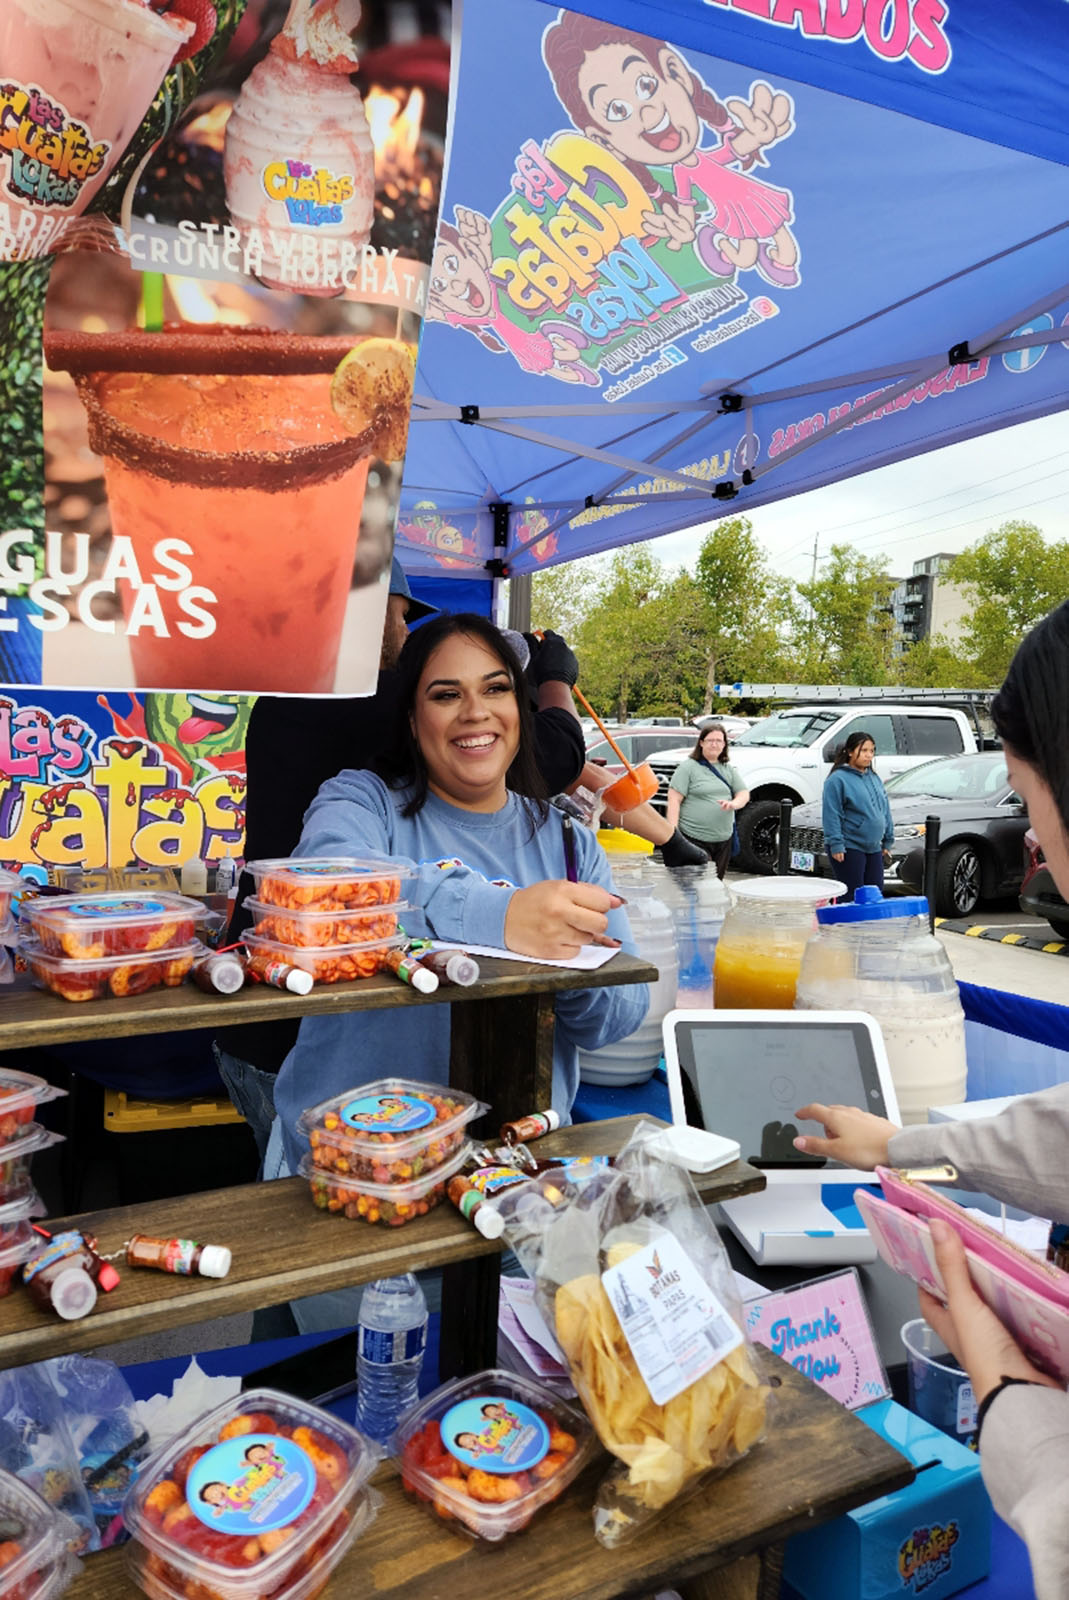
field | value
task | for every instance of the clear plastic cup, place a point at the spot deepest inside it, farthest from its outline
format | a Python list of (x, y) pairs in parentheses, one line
[(392, 1205), (256, 1498), (939, 1391), (486, 1453), (86, 927)]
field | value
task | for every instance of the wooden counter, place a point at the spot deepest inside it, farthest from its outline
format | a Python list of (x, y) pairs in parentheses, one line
[(817, 1462)]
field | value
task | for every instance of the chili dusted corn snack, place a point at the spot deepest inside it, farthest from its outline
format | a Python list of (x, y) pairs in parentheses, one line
[(319, 929)]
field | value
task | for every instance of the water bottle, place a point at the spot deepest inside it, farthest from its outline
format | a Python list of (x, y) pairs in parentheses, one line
[(391, 1339)]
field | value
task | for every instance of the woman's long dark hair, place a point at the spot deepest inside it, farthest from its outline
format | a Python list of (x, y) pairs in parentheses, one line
[(403, 766), (853, 742), (714, 727), (1031, 710)]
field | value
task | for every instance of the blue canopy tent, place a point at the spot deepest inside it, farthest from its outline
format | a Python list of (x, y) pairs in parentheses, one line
[(779, 243)]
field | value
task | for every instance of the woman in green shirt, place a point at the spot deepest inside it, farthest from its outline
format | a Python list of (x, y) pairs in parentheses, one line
[(704, 794)]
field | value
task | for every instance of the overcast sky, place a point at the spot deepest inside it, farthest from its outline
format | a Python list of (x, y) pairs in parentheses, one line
[(942, 501)]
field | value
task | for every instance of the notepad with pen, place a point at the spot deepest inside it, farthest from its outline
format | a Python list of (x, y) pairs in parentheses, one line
[(1029, 1296)]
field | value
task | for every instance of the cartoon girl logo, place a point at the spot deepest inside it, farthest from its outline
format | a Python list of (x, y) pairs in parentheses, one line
[(640, 99), (463, 294)]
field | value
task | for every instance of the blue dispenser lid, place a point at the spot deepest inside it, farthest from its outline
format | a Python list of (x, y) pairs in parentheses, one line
[(869, 905)]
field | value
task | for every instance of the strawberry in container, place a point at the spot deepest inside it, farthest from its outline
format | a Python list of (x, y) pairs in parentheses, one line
[(331, 883), (119, 976), (393, 1130), (322, 929), (259, 1498), (91, 926), (489, 1451), (20, 1095), (389, 1204)]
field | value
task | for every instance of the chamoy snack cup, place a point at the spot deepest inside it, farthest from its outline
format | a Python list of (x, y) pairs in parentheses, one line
[(389, 1204), (119, 976), (15, 1213), (260, 1497), (87, 926), (324, 929), (15, 1160), (10, 886), (36, 1544), (489, 1451), (331, 883), (20, 1095), (337, 963), (393, 1130), (13, 1257)]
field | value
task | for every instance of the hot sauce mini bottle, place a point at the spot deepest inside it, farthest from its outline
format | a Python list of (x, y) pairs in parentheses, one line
[(182, 1256)]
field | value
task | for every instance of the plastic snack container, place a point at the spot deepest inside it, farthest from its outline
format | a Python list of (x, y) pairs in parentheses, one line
[(87, 926), (489, 1451), (331, 883), (390, 1204), (10, 885), (336, 964), (260, 1497), (40, 1566), (13, 1256), (15, 1160), (111, 975), (393, 1130), (15, 1213), (20, 1095), (321, 929)]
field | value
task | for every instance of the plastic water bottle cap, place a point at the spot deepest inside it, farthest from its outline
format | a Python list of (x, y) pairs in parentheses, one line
[(299, 982), (215, 1261)]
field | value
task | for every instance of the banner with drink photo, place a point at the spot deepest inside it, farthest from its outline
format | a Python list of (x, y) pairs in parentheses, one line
[(234, 303)]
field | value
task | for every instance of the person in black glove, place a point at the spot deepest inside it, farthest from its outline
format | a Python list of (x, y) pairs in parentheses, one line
[(551, 660)]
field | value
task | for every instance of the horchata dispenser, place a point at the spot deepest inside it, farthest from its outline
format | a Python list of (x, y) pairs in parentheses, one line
[(880, 956)]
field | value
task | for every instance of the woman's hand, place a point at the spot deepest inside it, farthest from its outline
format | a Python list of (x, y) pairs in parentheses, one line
[(727, 805), (553, 920), (855, 1137), (838, 855), (968, 1327)]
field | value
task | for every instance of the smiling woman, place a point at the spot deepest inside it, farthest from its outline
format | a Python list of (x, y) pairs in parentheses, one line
[(460, 793)]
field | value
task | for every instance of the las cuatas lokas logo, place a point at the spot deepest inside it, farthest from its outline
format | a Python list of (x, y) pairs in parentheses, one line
[(926, 1556), (51, 155)]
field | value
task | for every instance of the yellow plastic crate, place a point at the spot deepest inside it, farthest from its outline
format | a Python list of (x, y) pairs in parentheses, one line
[(617, 841), (123, 1114)]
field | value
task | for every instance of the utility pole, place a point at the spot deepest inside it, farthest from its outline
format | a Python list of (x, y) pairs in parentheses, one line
[(812, 607)]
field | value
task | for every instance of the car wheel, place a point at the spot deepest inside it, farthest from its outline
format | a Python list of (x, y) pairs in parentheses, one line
[(1060, 928), (959, 877), (758, 837)]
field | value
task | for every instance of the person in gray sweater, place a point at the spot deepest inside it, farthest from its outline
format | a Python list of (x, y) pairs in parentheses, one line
[(1020, 1156)]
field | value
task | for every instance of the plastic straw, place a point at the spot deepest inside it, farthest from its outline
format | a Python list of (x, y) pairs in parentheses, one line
[(585, 703)]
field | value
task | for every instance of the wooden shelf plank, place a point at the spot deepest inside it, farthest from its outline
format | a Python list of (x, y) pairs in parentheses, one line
[(283, 1249), (817, 1462), (29, 1017)]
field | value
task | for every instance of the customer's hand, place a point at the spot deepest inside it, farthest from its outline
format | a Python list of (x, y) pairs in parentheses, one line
[(855, 1137), (552, 920), (838, 855), (887, 858), (551, 660), (968, 1327)]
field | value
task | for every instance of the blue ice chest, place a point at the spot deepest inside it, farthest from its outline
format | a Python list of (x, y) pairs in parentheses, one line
[(930, 1539)]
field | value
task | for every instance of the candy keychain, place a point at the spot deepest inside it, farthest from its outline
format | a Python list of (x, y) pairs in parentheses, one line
[(66, 1274)]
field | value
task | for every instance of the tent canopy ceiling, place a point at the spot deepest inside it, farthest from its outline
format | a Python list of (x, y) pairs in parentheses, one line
[(778, 244)]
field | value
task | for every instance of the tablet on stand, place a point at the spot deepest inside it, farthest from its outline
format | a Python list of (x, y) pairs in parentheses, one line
[(743, 1075)]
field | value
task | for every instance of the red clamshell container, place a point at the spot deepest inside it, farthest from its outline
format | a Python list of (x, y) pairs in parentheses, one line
[(488, 1452), (259, 1498), (15, 1160), (330, 883), (20, 1095), (86, 927), (37, 1563)]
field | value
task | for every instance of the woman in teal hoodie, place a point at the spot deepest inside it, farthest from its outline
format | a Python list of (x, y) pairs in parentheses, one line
[(858, 827)]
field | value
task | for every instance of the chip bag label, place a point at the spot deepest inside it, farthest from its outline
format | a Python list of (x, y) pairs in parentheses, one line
[(675, 1326), (495, 1434), (251, 1484)]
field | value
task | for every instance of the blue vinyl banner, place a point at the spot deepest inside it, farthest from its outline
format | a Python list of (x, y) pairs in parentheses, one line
[(774, 246)]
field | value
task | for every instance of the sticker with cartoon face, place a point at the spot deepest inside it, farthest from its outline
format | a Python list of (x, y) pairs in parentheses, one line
[(388, 1113), (495, 1434), (116, 908), (251, 1484)]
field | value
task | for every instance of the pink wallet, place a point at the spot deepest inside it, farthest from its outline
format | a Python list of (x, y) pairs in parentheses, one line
[(1029, 1296)]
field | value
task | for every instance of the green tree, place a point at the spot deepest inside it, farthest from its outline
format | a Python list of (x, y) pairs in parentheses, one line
[(747, 609), (936, 664), (849, 634), (1013, 577), (563, 596), (640, 646)]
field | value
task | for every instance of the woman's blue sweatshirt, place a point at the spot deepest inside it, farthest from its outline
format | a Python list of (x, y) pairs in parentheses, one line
[(857, 812), (473, 863)]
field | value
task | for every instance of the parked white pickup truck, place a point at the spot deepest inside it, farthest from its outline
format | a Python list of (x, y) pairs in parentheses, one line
[(787, 756)]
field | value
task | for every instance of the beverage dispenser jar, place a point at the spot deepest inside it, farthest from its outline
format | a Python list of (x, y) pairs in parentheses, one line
[(635, 1059), (761, 943), (879, 956), (699, 902)]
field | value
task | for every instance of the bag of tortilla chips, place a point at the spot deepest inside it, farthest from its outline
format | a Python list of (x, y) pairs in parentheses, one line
[(632, 1275)]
